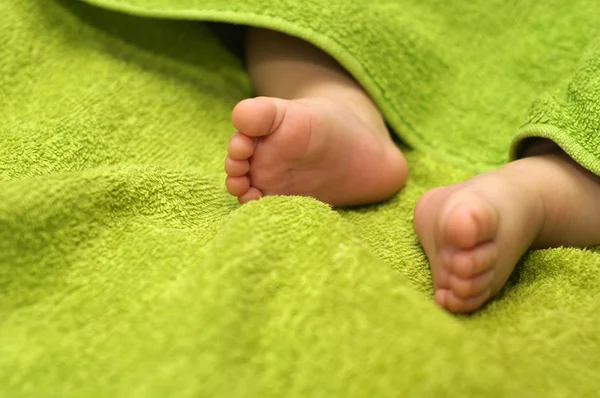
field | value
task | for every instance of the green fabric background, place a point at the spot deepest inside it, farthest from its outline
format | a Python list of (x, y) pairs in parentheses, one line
[(127, 270)]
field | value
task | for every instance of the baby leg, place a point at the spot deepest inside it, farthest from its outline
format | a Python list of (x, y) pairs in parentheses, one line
[(313, 131), (475, 232)]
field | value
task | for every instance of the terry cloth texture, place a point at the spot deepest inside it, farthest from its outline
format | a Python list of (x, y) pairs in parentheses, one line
[(127, 270)]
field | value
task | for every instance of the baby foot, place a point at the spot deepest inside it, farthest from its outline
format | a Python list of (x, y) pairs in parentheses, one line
[(311, 147), (475, 232)]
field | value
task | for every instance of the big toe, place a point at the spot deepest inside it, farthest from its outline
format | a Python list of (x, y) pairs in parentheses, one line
[(258, 116), (467, 221)]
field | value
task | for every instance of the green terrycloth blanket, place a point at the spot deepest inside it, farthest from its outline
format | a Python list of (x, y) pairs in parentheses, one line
[(127, 270)]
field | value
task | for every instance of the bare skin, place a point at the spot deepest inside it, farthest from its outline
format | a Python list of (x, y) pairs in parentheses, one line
[(475, 232), (312, 132), (315, 132)]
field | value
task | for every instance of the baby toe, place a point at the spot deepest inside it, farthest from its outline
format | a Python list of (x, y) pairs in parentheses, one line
[(237, 186), (465, 288), (252, 194), (469, 224), (461, 305), (236, 168), (469, 263), (241, 147), (258, 116)]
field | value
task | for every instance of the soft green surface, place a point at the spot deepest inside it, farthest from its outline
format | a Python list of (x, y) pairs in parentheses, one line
[(126, 269)]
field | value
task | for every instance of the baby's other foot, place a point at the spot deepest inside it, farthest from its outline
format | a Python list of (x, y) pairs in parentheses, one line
[(315, 147), (475, 232)]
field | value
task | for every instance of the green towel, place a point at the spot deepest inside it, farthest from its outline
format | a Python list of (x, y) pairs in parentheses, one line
[(127, 270)]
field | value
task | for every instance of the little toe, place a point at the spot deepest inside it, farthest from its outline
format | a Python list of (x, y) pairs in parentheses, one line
[(465, 305), (441, 297), (258, 116), (252, 194), (236, 168), (469, 223), (465, 288), (241, 147), (237, 186), (469, 263)]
